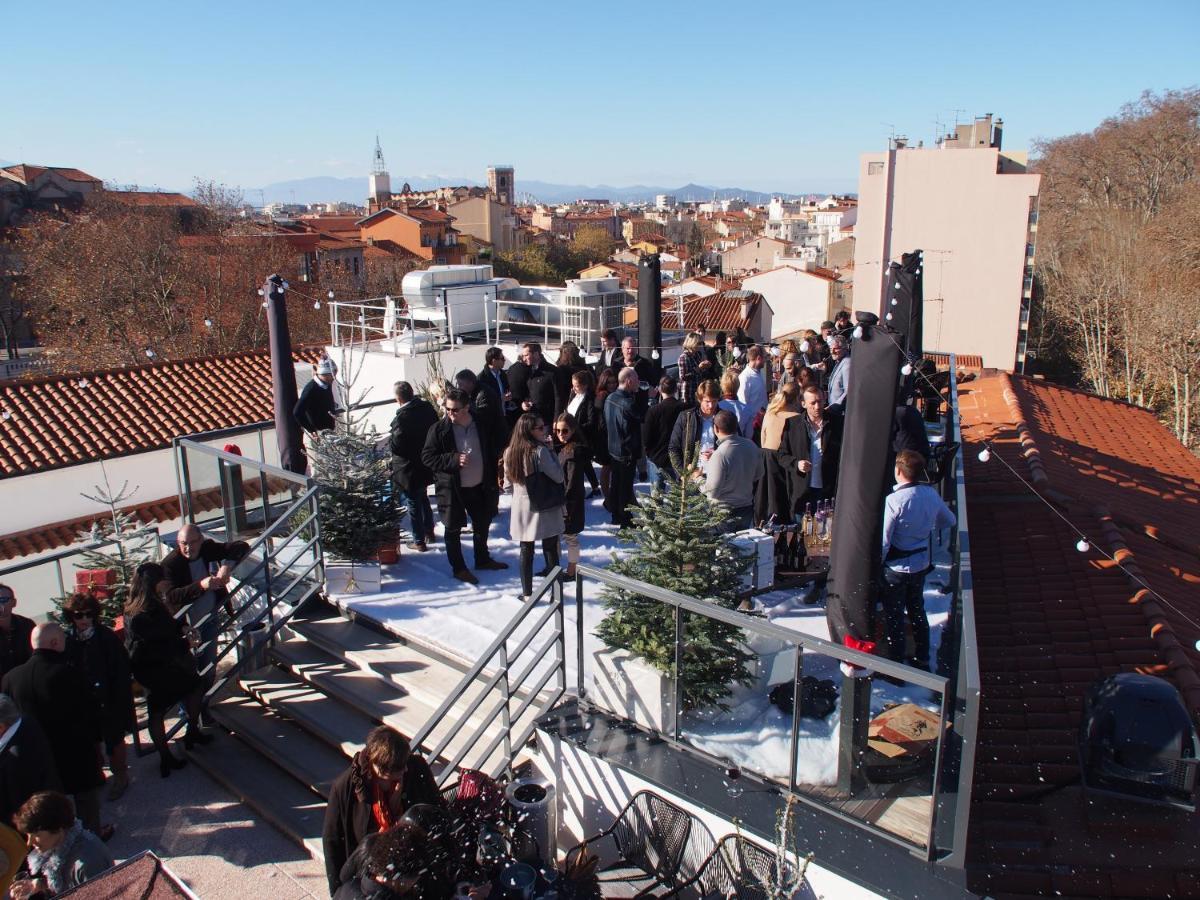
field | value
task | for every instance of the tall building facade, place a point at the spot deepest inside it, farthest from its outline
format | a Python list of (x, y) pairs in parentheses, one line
[(972, 209), (501, 184)]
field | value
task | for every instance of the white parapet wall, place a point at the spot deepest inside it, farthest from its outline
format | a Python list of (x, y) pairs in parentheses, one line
[(591, 792)]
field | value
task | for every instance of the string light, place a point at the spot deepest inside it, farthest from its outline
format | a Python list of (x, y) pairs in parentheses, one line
[(149, 353), (888, 317), (985, 455), (208, 323), (906, 369), (1082, 546), (858, 332)]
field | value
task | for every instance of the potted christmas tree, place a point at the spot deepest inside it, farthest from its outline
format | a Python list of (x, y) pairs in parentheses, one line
[(355, 507), (680, 542)]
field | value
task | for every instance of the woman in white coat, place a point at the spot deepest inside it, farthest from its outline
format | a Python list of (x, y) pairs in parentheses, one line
[(528, 452)]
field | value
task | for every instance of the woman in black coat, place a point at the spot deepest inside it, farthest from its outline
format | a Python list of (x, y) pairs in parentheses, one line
[(582, 407), (94, 649), (569, 362), (576, 460), (162, 661)]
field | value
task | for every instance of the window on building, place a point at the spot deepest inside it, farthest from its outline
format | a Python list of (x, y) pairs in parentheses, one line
[(874, 168)]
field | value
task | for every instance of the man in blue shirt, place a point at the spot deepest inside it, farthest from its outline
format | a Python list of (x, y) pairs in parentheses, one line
[(911, 513)]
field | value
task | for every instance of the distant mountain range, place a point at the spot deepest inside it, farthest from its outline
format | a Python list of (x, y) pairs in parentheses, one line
[(326, 189)]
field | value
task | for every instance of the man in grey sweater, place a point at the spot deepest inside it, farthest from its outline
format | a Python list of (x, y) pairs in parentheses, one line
[(732, 471)]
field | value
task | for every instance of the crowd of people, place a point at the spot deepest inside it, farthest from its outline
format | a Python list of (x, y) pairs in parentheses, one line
[(758, 428), (67, 703)]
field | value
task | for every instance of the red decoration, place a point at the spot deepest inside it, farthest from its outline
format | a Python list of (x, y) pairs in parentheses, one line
[(233, 448)]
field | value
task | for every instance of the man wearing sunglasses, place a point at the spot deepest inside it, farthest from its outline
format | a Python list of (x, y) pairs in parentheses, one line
[(462, 456), (14, 632)]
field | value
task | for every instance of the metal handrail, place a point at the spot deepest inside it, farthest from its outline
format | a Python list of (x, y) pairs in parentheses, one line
[(509, 687), (57, 556)]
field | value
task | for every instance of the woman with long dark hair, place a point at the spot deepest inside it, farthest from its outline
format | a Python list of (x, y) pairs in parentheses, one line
[(605, 385), (568, 363), (162, 662), (582, 407), (576, 459), (528, 453)]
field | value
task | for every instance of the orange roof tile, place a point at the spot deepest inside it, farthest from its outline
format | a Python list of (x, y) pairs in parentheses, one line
[(1050, 621), (55, 421), (152, 198), (716, 312)]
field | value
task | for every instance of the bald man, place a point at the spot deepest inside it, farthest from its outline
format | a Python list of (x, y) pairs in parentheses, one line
[(198, 570), (51, 691)]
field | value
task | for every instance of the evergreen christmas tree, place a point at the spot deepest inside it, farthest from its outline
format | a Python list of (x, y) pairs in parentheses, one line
[(132, 544), (680, 543), (355, 503)]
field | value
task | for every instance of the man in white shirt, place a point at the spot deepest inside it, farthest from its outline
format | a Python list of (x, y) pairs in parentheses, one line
[(752, 388)]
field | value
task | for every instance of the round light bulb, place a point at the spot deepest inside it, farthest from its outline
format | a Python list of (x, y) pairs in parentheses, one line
[(654, 354), (208, 323), (774, 351), (362, 320), (858, 332), (1082, 546), (896, 286), (737, 352), (804, 346), (150, 354), (387, 298), (261, 293), (317, 304), (458, 341), (330, 295), (906, 369), (895, 302), (985, 454), (888, 317), (264, 304), (285, 286)]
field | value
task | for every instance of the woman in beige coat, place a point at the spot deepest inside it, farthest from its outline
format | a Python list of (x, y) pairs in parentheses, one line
[(529, 452)]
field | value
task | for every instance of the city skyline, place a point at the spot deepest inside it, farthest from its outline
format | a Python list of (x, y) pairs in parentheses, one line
[(633, 96)]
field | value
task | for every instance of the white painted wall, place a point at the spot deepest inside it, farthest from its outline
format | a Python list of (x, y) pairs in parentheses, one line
[(798, 299), (591, 792)]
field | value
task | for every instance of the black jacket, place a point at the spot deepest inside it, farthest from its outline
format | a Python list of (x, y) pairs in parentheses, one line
[(440, 454), (562, 387), (575, 459), (684, 446), (49, 689), (645, 374), (488, 410), (410, 428), (623, 424), (159, 655), (609, 359), (14, 644), (315, 408), (26, 767), (104, 662), (178, 567), (657, 429), (485, 377), (794, 446), (348, 817), (534, 384)]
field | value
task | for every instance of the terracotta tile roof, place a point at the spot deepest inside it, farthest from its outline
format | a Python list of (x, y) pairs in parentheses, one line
[(46, 423), (26, 173), (969, 362), (152, 198), (430, 214), (1051, 621), (716, 312), (815, 271), (385, 249)]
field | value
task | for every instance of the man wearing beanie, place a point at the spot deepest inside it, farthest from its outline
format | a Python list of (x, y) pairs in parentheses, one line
[(316, 407)]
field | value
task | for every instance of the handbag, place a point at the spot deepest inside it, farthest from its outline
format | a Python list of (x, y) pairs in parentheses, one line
[(544, 492)]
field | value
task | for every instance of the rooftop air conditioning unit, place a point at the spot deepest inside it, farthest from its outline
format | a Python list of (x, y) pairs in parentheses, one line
[(1136, 741)]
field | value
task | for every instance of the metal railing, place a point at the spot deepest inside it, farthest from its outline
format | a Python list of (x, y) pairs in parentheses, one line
[(514, 683), (282, 569), (798, 644), (56, 558)]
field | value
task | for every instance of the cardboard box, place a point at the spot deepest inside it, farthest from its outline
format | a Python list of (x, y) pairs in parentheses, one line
[(89, 578), (904, 730)]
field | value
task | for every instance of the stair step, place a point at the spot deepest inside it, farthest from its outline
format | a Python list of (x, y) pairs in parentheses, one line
[(338, 725), (272, 793), (369, 694), (306, 758)]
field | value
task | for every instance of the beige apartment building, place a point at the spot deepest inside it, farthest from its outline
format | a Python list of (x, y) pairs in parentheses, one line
[(973, 210)]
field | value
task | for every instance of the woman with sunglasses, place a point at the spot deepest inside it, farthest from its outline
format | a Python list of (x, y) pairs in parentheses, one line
[(94, 649), (529, 452), (575, 457), (162, 662)]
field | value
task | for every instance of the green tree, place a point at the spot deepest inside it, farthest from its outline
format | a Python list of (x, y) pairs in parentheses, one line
[(591, 244), (129, 544), (355, 504), (680, 543)]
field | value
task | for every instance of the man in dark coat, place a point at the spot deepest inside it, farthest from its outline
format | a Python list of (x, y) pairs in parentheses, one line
[(623, 424), (15, 632), (531, 380), (316, 407), (410, 427), (486, 408), (810, 450), (656, 430), (202, 563), (610, 354), (462, 456), (50, 690), (385, 778), (493, 377), (26, 763)]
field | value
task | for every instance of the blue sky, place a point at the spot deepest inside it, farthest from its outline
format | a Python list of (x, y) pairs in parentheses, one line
[(763, 95)]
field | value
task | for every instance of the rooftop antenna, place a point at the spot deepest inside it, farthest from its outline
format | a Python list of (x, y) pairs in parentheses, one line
[(937, 130), (956, 112), (891, 135)]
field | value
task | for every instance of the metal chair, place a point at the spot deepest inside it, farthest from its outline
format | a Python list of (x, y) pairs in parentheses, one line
[(651, 835), (736, 868)]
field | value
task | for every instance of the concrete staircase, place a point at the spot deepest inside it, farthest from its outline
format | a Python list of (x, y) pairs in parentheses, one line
[(293, 724)]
